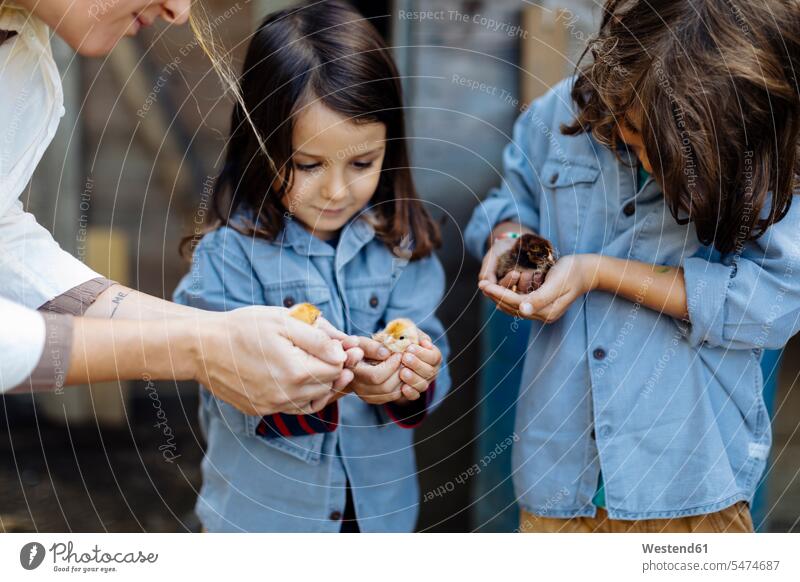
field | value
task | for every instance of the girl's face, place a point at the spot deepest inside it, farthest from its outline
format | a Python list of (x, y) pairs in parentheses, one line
[(336, 168), (93, 27)]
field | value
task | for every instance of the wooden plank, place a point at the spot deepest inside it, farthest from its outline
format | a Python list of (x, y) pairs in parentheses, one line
[(543, 59), (107, 253)]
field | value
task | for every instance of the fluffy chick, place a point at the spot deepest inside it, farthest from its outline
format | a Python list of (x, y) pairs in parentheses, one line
[(398, 335), (530, 253), (305, 312)]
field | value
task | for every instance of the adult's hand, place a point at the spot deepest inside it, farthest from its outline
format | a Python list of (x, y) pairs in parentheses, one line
[(262, 361), (259, 359)]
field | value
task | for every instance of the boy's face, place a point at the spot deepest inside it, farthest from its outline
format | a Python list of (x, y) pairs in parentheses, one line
[(336, 168), (629, 133)]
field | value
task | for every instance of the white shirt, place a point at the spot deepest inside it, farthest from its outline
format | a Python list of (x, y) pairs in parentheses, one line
[(33, 268)]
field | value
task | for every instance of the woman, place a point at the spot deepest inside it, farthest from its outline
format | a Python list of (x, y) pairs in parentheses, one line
[(61, 323)]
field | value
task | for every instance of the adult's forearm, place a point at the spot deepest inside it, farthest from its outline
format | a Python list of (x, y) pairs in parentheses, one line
[(657, 287), (128, 335), (120, 302), (110, 349)]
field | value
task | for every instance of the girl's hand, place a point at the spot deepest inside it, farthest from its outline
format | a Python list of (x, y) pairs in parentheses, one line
[(378, 383), (351, 347), (421, 365), (570, 278)]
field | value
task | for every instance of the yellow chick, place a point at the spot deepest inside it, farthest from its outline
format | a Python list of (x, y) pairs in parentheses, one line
[(398, 335), (305, 312)]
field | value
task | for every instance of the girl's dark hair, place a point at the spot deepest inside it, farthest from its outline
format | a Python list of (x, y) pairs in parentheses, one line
[(715, 85), (321, 51)]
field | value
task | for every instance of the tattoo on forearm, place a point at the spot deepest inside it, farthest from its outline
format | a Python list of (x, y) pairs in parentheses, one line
[(117, 300), (662, 269)]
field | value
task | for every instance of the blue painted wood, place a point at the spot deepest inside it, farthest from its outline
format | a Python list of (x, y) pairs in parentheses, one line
[(770, 365), (495, 509)]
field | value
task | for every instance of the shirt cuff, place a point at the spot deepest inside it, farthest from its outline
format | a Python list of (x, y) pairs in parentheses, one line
[(50, 372), (78, 299), (289, 425), (411, 414), (707, 286), (489, 214)]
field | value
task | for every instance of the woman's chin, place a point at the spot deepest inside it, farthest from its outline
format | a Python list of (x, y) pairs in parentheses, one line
[(98, 46)]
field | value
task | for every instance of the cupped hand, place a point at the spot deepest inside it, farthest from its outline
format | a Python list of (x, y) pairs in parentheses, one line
[(421, 365), (570, 278), (378, 383), (489, 265)]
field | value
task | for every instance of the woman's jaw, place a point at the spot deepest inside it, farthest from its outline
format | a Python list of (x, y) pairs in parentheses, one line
[(94, 27)]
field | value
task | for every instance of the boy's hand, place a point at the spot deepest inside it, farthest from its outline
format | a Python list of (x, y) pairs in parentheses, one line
[(498, 246), (489, 265), (570, 278), (421, 365)]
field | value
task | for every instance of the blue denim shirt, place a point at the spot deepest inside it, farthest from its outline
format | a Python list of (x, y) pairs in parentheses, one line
[(251, 483), (672, 413)]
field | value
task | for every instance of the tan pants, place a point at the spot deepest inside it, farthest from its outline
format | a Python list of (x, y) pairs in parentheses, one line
[(733, 519)]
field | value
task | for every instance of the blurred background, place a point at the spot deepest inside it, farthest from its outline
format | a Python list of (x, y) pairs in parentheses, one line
[(124, 180)]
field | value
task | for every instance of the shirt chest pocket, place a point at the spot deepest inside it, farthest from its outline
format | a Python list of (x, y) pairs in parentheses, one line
[(568, 186), (307, 448), (367, 300), (659, 239)]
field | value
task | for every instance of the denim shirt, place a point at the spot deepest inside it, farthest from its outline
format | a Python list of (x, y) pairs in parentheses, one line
[(251, 483), (671, 412)]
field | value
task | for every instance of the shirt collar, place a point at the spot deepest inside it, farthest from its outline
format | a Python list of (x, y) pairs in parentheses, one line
[(353, 237)]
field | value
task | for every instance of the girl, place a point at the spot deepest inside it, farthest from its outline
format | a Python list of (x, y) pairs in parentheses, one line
[(664, 175), (316, 204)]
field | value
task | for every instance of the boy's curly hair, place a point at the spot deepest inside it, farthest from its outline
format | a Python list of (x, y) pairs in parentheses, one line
[(714, 85)]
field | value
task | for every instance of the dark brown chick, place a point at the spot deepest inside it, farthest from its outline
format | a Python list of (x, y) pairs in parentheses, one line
[(531, 253)]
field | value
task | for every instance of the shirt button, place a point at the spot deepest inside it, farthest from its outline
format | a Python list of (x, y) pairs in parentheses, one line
[(629, 208), (288, 301), (605, 431), (599, 354), (554, 178), (336, 516), (373, 301)]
